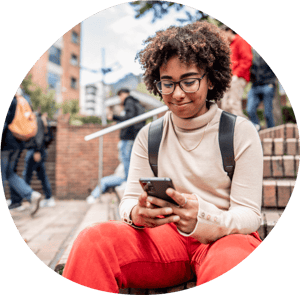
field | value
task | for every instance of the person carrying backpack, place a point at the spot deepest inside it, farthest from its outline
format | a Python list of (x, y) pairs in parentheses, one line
[(20, 125), (214, 225), (36, 156), (132, 108)]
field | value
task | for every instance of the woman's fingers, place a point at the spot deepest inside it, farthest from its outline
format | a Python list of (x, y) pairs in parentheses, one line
[(179, 198)]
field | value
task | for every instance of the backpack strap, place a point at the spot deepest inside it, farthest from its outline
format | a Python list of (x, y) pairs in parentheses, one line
[(226, 135), (154, 139)]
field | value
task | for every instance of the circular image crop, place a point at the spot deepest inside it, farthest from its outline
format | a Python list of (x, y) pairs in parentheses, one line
[(148, 147)]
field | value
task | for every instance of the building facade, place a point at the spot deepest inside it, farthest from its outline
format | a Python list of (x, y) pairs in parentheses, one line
[(59, 67)]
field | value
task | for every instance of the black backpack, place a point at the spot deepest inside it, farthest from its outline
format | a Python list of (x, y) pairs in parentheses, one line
[(226, 133), (139, 111)]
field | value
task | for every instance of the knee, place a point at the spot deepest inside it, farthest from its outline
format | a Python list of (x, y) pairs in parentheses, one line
[(236, 245), (106, 233)]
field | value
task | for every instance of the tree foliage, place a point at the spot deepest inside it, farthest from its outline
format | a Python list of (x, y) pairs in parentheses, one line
[(162, 8), (40, 101), (70, 107)]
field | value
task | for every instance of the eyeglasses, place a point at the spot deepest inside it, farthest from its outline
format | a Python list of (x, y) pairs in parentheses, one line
[(189, 85)]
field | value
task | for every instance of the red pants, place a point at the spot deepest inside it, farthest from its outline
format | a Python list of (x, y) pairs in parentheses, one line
[(113, 255)]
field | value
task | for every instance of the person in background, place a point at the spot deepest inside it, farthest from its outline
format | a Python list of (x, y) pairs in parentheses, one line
[(36, 157), (128, 134), (113, 180), (11, 149), (263, 89), (241, 60)]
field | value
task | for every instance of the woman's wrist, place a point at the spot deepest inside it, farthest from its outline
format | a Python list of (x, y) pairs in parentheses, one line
[(131, 218)]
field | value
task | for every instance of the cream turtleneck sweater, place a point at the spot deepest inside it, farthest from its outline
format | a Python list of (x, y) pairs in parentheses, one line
[(224, 207)]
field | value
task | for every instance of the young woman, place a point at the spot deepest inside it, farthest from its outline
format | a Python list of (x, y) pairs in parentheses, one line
[(213, 228)]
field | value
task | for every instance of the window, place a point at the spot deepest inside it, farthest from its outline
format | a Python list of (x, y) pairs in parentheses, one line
[(91, 90), (74, 60), (74, 37), (74, 83), (54, 55), (53, 81)]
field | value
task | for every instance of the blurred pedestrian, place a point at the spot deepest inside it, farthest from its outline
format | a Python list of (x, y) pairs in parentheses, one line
[(241, 60), (36, 157), (263, 89), (107, 182), (11, 148), (132, 108)]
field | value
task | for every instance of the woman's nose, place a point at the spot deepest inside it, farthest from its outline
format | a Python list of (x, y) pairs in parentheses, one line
[(178, 93)]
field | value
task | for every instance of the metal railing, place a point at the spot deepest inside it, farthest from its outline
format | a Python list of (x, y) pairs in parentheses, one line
[(127, 123), (119, 126)]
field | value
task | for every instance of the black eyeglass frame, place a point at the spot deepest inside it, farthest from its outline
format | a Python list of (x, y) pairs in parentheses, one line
[(175, 83)]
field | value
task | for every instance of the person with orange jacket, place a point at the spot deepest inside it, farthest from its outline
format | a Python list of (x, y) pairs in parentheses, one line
[(241, 61)]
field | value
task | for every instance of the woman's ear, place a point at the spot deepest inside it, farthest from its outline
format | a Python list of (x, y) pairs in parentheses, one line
[(210, 86)]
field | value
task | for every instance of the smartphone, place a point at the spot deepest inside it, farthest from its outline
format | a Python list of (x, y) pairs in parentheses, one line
[(157, 186)]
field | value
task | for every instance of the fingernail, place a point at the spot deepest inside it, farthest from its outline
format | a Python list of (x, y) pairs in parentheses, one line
[(149, 199), (168, 211), (176, 218)]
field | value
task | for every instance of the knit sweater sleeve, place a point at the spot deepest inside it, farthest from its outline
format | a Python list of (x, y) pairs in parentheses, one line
[(243, 215)]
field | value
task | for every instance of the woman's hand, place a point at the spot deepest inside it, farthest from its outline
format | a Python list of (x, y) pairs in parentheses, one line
[(147, 215), (187, 210)]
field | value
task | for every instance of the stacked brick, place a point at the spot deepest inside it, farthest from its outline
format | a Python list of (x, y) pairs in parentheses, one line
[(77, 160), (281, 162)]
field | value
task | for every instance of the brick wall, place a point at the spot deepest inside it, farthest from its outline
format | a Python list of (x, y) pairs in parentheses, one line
[(281, 164), (77, 160)]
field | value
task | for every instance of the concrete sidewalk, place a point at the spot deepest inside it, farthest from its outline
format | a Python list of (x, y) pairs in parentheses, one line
[(51, 232)]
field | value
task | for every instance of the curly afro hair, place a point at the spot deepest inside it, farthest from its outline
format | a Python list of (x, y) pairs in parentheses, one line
[(199, 43)]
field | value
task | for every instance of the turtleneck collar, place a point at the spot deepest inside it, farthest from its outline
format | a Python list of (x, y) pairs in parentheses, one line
[(198, 122)]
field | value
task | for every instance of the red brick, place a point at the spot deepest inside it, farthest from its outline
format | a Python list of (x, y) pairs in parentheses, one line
[(279, 131), (292, 146), (269, 193), (283, 192), (267, 166), (277, 166), (267, 144), (278, 146), (292, 182), (297, 132), (297, 164), (289, 166), (289, 130)]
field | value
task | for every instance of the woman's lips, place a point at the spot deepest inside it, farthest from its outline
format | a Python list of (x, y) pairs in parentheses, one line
[(181, 104)]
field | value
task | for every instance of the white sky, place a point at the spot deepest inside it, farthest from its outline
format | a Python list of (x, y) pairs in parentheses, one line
[(122, 36)]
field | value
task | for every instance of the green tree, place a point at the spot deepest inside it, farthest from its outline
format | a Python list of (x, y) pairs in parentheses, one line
[(161, 8), (70, 107), (40, 101)]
